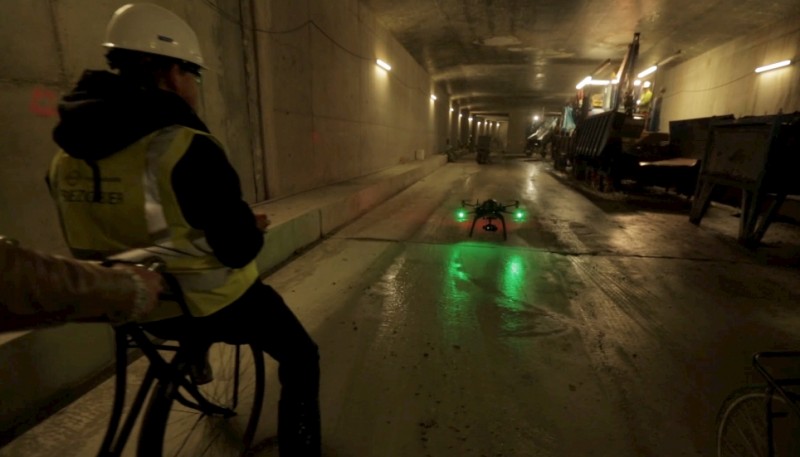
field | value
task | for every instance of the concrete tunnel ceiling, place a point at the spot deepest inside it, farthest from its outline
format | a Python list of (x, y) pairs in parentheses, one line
[(498, 55)]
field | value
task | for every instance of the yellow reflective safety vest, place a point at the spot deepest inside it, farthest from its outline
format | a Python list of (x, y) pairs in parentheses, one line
[(134, 206)]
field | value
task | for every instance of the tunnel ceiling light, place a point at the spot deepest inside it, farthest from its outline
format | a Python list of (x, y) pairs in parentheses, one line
[(772, 66), (649, 71), (646, 84), (638, 82), (599, 82), (584, 82), (669, 59), (383, 65), (433, 97)]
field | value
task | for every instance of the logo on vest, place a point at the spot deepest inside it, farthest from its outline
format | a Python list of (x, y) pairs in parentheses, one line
[(87, 196)]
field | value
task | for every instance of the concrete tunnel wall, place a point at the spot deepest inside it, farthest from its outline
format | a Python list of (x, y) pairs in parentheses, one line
[(334, 114), (723, 80), (292, 91)]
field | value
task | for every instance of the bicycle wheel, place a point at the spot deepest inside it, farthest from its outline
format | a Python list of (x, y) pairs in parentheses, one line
[(171, 428), (742, 426)]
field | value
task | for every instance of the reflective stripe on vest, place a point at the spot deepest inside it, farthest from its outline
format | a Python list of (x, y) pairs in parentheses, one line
[(137, 208)]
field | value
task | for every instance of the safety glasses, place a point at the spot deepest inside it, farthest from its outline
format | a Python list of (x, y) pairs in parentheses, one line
[(194, 70)]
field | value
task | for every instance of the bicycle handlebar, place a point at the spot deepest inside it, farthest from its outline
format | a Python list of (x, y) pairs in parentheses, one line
[(142, 259)]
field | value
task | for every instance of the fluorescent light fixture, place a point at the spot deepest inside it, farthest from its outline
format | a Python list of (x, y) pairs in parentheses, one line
[(638, 82), (383, 65), (615, 81), (646, 84), (670, 58), (433, 97), (599, 82), (772, 66), (584, 82), (648, 71)]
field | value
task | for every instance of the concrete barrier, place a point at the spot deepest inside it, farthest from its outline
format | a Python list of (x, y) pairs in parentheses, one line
[(46, 369), (302, 219)]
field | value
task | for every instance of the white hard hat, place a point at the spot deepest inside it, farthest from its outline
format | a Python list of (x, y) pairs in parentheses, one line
[(150, 28)]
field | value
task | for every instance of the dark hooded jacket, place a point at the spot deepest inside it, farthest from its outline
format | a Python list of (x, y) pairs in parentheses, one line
[(105, 113)]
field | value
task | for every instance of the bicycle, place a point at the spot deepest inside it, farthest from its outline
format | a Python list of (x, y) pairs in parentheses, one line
[(763, 421), (185, 416)]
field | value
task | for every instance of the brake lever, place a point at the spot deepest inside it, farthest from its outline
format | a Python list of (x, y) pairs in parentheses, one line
[(156, 265), (172, 291)]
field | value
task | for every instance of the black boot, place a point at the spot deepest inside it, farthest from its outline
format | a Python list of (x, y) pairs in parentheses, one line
[(299, 428)]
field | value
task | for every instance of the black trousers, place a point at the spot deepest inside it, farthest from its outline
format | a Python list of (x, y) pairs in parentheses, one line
[(261, 317)]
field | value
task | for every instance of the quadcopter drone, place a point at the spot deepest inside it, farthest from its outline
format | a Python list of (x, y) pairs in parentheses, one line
[(489, 210)]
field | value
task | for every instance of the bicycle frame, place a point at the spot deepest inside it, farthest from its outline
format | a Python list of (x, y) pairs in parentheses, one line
[(776, 385), (133, 336)]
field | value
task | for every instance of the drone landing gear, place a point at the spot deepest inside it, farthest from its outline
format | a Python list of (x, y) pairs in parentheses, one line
[(489, 227)]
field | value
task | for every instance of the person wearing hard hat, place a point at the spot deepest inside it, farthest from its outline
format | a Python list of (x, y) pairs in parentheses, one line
[(645, 99), (137, 168)]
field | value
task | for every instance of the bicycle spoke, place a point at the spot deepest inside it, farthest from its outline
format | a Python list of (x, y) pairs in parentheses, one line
[(754, 430), (743, 423), (222, 422), (188, 435)]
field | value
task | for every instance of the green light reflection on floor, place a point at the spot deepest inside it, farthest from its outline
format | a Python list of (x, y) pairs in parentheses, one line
[(512, 282)]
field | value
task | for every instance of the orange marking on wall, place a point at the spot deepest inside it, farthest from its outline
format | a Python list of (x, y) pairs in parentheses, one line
[(44, 102)]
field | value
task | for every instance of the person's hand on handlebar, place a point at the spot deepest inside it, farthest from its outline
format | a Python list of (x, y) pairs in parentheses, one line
[(149, 284), (38, 289)]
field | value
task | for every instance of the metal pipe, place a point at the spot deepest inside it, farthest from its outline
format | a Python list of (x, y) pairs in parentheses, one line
[(601, 67)]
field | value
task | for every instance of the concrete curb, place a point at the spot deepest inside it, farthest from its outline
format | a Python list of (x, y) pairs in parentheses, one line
[(325, 210)]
